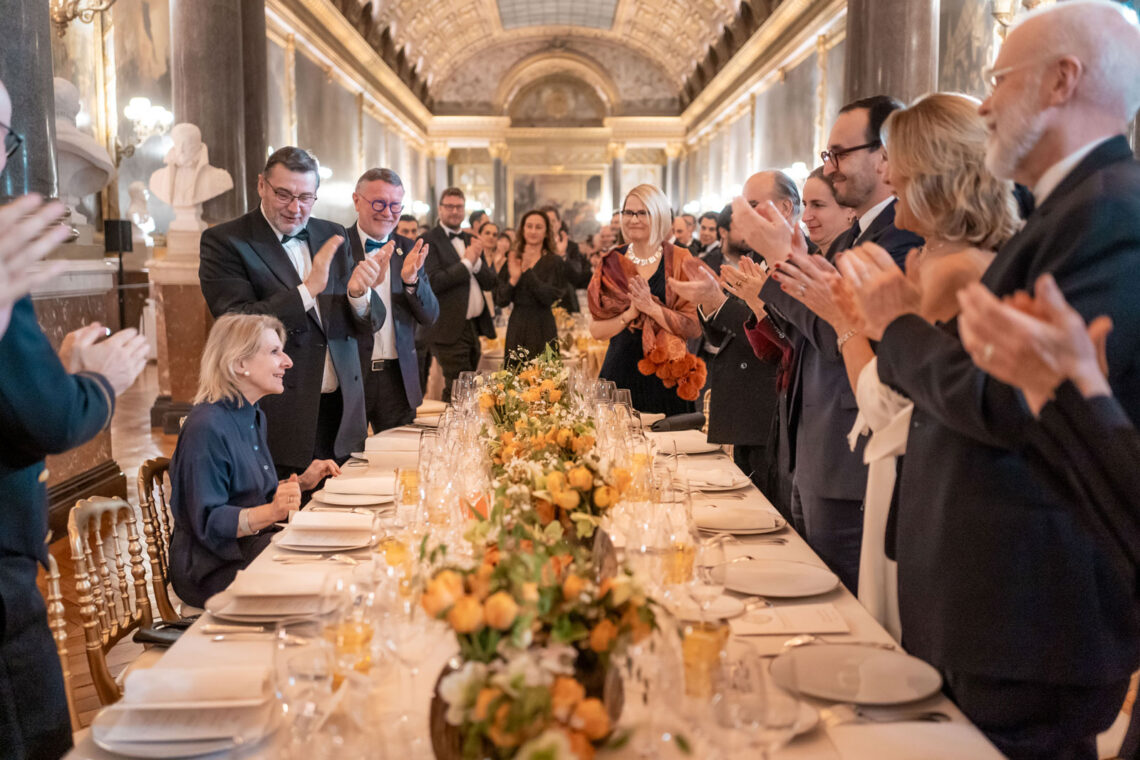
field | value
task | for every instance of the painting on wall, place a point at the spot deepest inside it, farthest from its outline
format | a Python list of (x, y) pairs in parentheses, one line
[(576, 196)]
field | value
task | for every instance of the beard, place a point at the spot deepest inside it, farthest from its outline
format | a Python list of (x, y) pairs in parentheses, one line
[(1014, 135), (857, 189)]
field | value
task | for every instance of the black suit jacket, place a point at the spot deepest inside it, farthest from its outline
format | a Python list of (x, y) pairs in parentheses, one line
[(410, 307), (998, 577), (821, 405), (743, 387), (450, 280), (43, 410), (578, 275), (245, 269)]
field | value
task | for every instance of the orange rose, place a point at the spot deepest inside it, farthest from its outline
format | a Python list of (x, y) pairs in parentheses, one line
[(530, 592), (545, 511), (573, 586), (590, 717), (483, 702), (602, 636), (466, 615), (568, 500), (554, 395), (639, 629), (580, 745), (580, 478), (604, 497), (500, 610), (565, 695), (555, 481), (583, 443), (479, 582), (442, 592), (486, 401), (564, 437)]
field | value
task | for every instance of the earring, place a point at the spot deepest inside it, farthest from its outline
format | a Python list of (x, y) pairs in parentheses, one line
[(246, 373)]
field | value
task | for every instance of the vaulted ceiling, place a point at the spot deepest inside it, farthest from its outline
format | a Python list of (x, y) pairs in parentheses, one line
[(637, 56)]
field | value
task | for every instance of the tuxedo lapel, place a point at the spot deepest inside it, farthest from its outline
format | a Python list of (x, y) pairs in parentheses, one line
[(265, 244)]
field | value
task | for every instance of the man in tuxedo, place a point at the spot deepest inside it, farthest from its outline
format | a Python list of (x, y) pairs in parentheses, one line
[(278, 260), (408, 227), (48, 404), (1001, 586), (707, 236), (388, 358), (742, 405), (458, 274), (830, 480), (683, 231)]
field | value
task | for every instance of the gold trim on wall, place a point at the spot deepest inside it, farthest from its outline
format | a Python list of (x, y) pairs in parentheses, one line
[(291, 86)]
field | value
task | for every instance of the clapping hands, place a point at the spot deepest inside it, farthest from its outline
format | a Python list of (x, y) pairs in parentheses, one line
[(31, 231), (766, 231), (881, 292), (413, 262), (642, 299), (813, 281), (372, 271), (745, 283)]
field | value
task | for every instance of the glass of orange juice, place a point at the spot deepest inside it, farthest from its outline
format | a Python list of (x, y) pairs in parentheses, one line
[(702, 647)]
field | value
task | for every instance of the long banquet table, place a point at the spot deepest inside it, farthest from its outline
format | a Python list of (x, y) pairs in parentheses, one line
[(887, 741)]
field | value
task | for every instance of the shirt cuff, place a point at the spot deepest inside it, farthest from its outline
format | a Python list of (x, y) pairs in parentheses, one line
[(307, 300), (243, 527), (361, 303)]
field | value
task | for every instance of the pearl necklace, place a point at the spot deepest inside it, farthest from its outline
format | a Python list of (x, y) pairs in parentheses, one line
[(629, 254)]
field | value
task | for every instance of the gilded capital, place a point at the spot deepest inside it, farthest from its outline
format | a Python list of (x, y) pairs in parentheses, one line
[(439, 149), (674, 150), (499, 150), (615, 151)]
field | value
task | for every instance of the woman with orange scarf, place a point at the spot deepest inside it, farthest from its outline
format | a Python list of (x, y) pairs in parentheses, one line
[(646, 322)]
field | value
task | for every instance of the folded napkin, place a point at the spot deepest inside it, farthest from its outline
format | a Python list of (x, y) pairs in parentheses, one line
[(430, 406), (159, 685), (394, 440), (730, 517), (362, 484), (338, 521), (274, 583), (712, 475), (909, 740)]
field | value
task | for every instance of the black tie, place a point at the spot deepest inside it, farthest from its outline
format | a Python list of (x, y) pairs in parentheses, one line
[(301, 234), (856, 231), (453, 235)]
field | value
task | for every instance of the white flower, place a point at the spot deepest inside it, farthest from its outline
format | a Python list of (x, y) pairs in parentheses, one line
[(551, 744), (460, 688)]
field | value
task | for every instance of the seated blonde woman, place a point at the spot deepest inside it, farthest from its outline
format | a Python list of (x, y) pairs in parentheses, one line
[(225, 497), (936, 150)]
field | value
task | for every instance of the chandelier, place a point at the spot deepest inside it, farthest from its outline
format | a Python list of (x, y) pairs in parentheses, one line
[(63, 12)]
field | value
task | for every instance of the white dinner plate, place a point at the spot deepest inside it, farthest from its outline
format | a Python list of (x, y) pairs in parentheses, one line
[(736, 518), (722, 607), (687, 442), (855, 673), (287, 540), (352, 499), (109, 717), (282, 607), (779, 578), (736, 479)]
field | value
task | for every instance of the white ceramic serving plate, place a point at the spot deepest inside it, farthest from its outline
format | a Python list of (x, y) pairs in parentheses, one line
[(855, 673), (736, 518), (779, 578)]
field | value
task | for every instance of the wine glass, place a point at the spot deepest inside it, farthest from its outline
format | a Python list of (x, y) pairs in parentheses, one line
[(303, 672), (709, 572), (747, 700)]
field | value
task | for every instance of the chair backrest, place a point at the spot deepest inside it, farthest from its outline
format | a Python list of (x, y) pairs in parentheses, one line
[(58, 625), (154, 474), (110, 580)]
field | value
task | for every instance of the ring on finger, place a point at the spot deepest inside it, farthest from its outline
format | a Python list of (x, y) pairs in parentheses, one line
[(987, 352)]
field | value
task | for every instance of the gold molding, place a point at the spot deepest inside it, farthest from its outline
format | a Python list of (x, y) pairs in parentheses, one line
[(786, 37), (615, 151), (291, 85), (544, 64)]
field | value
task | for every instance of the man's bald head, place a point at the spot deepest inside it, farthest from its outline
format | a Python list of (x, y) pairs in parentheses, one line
[(1103, 35), (775, 187), (6, 121)]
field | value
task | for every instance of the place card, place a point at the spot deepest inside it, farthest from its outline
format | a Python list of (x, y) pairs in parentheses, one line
[(784, 621)]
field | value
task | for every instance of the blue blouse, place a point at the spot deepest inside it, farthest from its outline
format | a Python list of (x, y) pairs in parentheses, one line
[(220, 466)]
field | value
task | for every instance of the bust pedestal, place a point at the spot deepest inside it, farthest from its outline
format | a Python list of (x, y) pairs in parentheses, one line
[(182, 322)]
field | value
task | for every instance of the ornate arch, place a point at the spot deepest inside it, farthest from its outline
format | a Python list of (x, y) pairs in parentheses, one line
[(542, 65)]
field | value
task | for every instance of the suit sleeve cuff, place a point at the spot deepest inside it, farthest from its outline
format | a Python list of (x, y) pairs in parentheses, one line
[(307, 300)]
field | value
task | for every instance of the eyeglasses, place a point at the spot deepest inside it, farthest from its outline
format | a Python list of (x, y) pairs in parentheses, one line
[(286, 197), (12, 141), (833, 156), (453, 206), (641, 215), (379, 205), (994, 77)]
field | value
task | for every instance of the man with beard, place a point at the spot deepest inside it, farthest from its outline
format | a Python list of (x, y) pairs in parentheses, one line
[(1002, 586), (742, 403), (830, 480)]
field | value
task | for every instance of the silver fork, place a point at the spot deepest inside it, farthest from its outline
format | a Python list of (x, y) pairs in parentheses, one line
[(840, 714), (290, 559)]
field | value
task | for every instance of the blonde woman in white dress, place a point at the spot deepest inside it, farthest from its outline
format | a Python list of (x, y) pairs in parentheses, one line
[(936, 158)]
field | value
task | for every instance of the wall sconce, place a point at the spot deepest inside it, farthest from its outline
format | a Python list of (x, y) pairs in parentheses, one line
[(147, 120), (63, 12)]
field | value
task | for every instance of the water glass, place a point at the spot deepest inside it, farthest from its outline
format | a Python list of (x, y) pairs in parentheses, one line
[(747, 700)]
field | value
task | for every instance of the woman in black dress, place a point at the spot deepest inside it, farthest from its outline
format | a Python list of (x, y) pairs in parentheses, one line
[(533, 279), (637, 275)]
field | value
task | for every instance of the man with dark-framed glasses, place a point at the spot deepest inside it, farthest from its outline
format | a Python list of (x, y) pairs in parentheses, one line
[(279, 260)]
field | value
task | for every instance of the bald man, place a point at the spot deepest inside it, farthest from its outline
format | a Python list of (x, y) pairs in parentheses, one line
[(1030, 618)]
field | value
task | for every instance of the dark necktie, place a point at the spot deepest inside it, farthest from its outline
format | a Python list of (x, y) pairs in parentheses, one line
[(301, 234), (453, 235), (856, 231), (371, 245)]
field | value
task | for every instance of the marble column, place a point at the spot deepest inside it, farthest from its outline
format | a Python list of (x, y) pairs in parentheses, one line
[(26, 70), (255, 71), (673, 175), (500, 154), (206, 62), (892, 48), (616, 153), (438, 182)]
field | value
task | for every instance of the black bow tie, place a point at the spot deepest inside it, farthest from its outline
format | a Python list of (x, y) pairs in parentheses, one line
[(453, 235), (301, 234)]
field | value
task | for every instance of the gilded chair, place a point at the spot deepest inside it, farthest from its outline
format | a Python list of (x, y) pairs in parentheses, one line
[(110, 580), (157, 524), (58, 625)]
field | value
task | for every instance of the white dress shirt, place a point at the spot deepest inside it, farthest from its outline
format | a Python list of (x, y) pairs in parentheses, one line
[(302, 260), (1058, 171), (475, 300), (384, 339)]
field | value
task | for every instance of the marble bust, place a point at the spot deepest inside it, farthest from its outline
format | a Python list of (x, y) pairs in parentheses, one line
[(187, 181), (142, 224), (85, 167)]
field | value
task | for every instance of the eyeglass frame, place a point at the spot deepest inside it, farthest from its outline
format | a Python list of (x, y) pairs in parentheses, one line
[(17, 141), (279, 192), (640, 214), (453, 206), (833, 156), (379, 205), (994, 77)]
